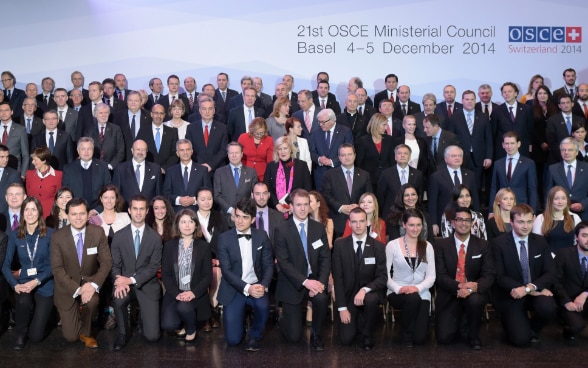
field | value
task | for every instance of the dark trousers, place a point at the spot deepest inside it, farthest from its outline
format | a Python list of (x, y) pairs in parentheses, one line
[(519, 329), (174, 312), (291, 322), (448, 318), (234, 316), (414, 321), (574, 322), (149, 313), (40, 306), (362, 319), (78, 319)]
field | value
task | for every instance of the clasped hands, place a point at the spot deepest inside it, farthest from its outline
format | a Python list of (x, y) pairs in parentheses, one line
[(314, 287)]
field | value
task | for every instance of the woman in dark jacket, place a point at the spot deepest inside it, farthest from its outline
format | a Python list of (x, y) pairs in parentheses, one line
[(375, 151)]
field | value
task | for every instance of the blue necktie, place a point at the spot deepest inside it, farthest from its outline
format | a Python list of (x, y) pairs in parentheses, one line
[(583, 267), (524, 263), (28, 126), (236, 176), (138, 176), (51, 142), (304, 244), (328, 139), (137, 243), (157, 139), (456, 179), (569, 176), (186, 178), (250, 117), (569, 125)]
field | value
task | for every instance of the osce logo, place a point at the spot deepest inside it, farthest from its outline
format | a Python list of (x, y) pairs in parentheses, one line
[(545, 34)]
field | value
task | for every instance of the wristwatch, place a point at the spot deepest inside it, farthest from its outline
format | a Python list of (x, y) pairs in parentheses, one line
[(527, 289)]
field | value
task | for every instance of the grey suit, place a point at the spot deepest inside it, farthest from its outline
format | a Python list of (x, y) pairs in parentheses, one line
[(226, 193), (70, 123), (18, 145)]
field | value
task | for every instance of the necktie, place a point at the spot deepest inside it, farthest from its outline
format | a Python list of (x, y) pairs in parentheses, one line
[(46, 100), (572, 93), (403, 177), (5, 135), (322, 104), (28, 126), (524, 262), (14, 222), (359, 252), (172, 100), (456, 178), (470, 123), (157, 139), (260, 224), (156, 98), (392, 97), (101, 134), (461, 259), (509, 171), (404, 109), (569, 125), (236, 176), (388, 130), (133, 131), (137, 243), (250, 117), (186, 178), (80, 247), (51, 142), (328, 139), (435, 148), (449, 111), (191, 102), (61, 116), (583, 267), (224, 94), (304, 240), (120, 96), (93, 109), (8, 95), (85, 165), (585, 110), (486, 112), (360, 109), (206, 135), (569, 177), (349, 182), (307, 121), (512, 117), (138, 176)]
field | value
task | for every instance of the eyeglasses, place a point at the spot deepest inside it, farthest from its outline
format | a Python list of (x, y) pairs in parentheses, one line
[(463, 220), (324, 121)]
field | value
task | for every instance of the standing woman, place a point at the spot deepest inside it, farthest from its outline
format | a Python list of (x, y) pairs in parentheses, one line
[(186, 274), (375, 151), (376, 227), (499, 224), (276, 123), (411, 263), (419, 153), (258, 147), (176, 111), (161, 217), (58, 218), (294, 129), (535, 82), (33, 287), (543, 109), (43, 182), (579, 135)]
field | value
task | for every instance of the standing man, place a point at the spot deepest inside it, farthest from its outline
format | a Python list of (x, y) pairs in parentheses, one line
[(241, 116), (173, 88), (324, 100), (438, 139), (581, 105), (68, 116), (365, 110), (88, 112), (307, 113), (121, 91), (393, 126), (136, 258), (32, 123), (465, 273), (45, 99), (12, 94), (569, 88), (77, 81), (302, 250), (485, 105), (222, 97), (247, 266), (161, 139), (7, 176), (403, 105), (15, 195), (131, 120), (559, 126), (288, 81), (58, 141), (108, 140), (355, 83), (352, 119), (156, 87), (81, 261), (390, 93), (267, 219), (110, 96), (512, 115), (191, 95), (359, 276), (447, 108), (14, 136)]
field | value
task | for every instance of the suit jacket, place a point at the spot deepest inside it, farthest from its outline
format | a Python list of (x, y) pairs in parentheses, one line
[(85, 95), (194, 108), (301, 179), (229, 256), (266, 103), (556, 175), (555, 131), (446, 139), (226, 193), (166, 157), (86, 119), (479, 267), (336, 193), (70, 124), (173, 185), (330, 103), (299, 114), (578, 108), (411, 109), (117, 105), (112, 149), (568, 281), (16, 100), (508, 266), (369, 159), (424, 154), (222, 106), (122, 120), (68, 274), (72, 178), (523, 181), (164, 101), (236, 124), (479, 107), (150, 102), (213, 154), (356, 122), (563, 90), (351, 274), (293, 263), (124, 178), (523, 125), (479, 142), (318, 147), (18, 145), (382, 95), (144, 266), (276, 219), (441, 110), (36, 126), (50, 105), (440, 189), (9, 176), (389, 186), (237, 101), (63, 151)]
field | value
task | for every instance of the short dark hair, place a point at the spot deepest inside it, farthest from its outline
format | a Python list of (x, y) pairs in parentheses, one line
[(247, 206), (462, 209), (3, 148), (172, 76), (581, 225), (346, 145), (138, 198), (74, 202), (563, 74), (358, 210), (511, 134), (433, 119), (511, 84), (108, 81), (391, 76), (520, 209)]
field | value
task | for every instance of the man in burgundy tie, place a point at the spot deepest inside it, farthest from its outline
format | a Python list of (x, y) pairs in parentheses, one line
[(446, 108), (15, 195), (120, 82)]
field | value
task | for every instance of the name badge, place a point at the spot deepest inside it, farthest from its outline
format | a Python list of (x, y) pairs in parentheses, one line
[(317, 244), (31, 272), (370, 260), (373, 234), (186, 279), (91, 251)]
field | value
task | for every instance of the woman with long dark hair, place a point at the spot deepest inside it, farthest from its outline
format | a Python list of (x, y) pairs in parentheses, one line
[(461, 197), (407, 197), (58, 218), (161, 217)]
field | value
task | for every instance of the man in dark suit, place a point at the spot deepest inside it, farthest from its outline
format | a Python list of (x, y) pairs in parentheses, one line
[(449, 106), (14, 136), (32, 123), (156, 87), (307, 114), (45, 99), (121, 92), (572, 175), (570, 283), (323, 98), (88, 112), (443, 182), (343, 186), (390, 93), (77, 80), (79, 275), (247, 265), (355, 83), (241, 116), (111, 97), (138, 176), (393, 126), (522, 179), (288, 81), (13, 95), (569, 88), (191, 95), (392, 178), (429, 102), (161, 140), (130, 121), (581, 105), (403, 105), (265, 100), (75, 99), (183, 180), (438, 140), (474, 132), (485, 105), (222, 97), (523, 278), (7, 176), (58, 141), (226, 190), (559, 126), (173, 87), (324, 145), (359, 276), (464, 265), (31, 91), (236, 101), (86, 176), (512, 115), (68, 117), (108, 141), (267, 219), (366, 111), (15, 195), (352, 119), (302, 250), (209, 137), (136, 258)]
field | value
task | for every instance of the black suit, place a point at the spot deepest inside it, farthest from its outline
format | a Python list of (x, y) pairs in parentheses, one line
[(9, 176), (556, 130), (480, 107), (86, 118), (122, 120), (389, 186), (523, 125), (479, 268), (300, 114), (237, 125), (294, 270), (369, 159), (318, 147), (446, 139), (411, 109), (16, 99), (194, 108), (213, 154), (237, 101), (46, 106), (124, 178), (173, 186), (578, 108), (578, 193), (143, 268), (85, 95), (440, 191), (222, 106), (350, 274), (166, 157), (382, 95), (73, 178), (356, 122), (441, 111), (62, 153), (112, 149), (36, 126), (509, 276), (330, 103), (165, 102), (424, 154), (301, 179), (569, 283)]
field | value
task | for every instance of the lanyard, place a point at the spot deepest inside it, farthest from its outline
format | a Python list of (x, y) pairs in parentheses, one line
[(32, 255)]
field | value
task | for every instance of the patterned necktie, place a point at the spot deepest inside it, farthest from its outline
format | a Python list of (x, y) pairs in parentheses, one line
[(224, 95), (206, 135), (328, 139), (322, 103), (249, 117), (512, 117), (101, 134), (569, 125), (349, 182), (14, 222), (137, 243), (80, 247), (138, 175), (460, 275), (260, 224), (5, 135), (470, 123), (392, 97), (236, 176), (570, 177), (51, 142), (28, 126), (307, 121), (583, 267), (157, 139), (191, 102), (524, 258), (359, 251), (120, 96), (509, 172), (456, 179), (186, 178)]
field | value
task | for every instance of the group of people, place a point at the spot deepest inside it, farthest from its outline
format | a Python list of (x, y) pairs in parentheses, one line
[(189, 201)]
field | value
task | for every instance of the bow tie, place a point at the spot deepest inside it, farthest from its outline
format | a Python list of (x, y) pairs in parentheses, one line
[(246, 236)]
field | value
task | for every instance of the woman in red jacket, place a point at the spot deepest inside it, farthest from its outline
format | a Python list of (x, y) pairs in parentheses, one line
[(43, 182)]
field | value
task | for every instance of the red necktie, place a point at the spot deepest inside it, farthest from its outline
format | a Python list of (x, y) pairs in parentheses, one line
[(509, 173), (449, 112), (585, 110), (461, 258), (5, 135), (392, 97), (206, 135), (120, 96)]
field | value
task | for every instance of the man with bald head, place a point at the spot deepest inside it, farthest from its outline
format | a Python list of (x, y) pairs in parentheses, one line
[(191, 95), (403, 105)]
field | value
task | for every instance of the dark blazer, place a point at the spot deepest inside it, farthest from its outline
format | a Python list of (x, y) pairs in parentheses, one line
[(164, 101), (36, 126), (523, 125), (446, 139), (389, 186), (166, 157), (50, 105), (356, 122), (301, 179), (440, 189), (556, 130), (125, 180), (217, 225), (293, 263), (382, 95), (72, 178), (63, 151), (222, 106), (266, 103), (151, 101), (213, 154), (441, 110), (9, 176), (556, 175), (86, 119), (419, 117), (331, 103), (479, 107), (70, 124), (236, 122), (276, 219), (480, 141), (318, 147), (117, 105), (424, 155), (369, 159), (112, 150), (568, 281), (411, 109), (173, 186), (350, 275), (226, 193), (85, 95), (122, 120), (229, 256), (194, 108), (523, 181), (237, 101), (336, 193), (578, 108), (16, 99)]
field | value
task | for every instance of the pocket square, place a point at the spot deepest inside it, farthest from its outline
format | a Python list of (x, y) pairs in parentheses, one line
[(259, 248), (537, 256), (153, 177), (247, 180), (478, 256)]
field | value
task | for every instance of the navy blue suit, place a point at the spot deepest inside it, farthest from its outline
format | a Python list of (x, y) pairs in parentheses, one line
[(173, 186), (9, 175), (124, 178), (441, 111), (523, 181), (299, 114), (556, 175), (440, 188), (62, 153), (318, 147), (523, 125), (236, 124), (222, 106), (72, 178), (213, 154)]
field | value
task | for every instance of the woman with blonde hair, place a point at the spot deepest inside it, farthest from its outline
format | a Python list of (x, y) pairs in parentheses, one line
[(258, 147), (375, 225), (375, 151), (499, 224), (276, 122), (176, 111), (535, 82)]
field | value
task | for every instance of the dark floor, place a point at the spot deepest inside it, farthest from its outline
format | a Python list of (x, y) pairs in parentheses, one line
[(210, 350)]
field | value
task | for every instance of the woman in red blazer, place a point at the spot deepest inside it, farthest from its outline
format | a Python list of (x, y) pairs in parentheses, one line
[(43, 182), (258, 147)]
